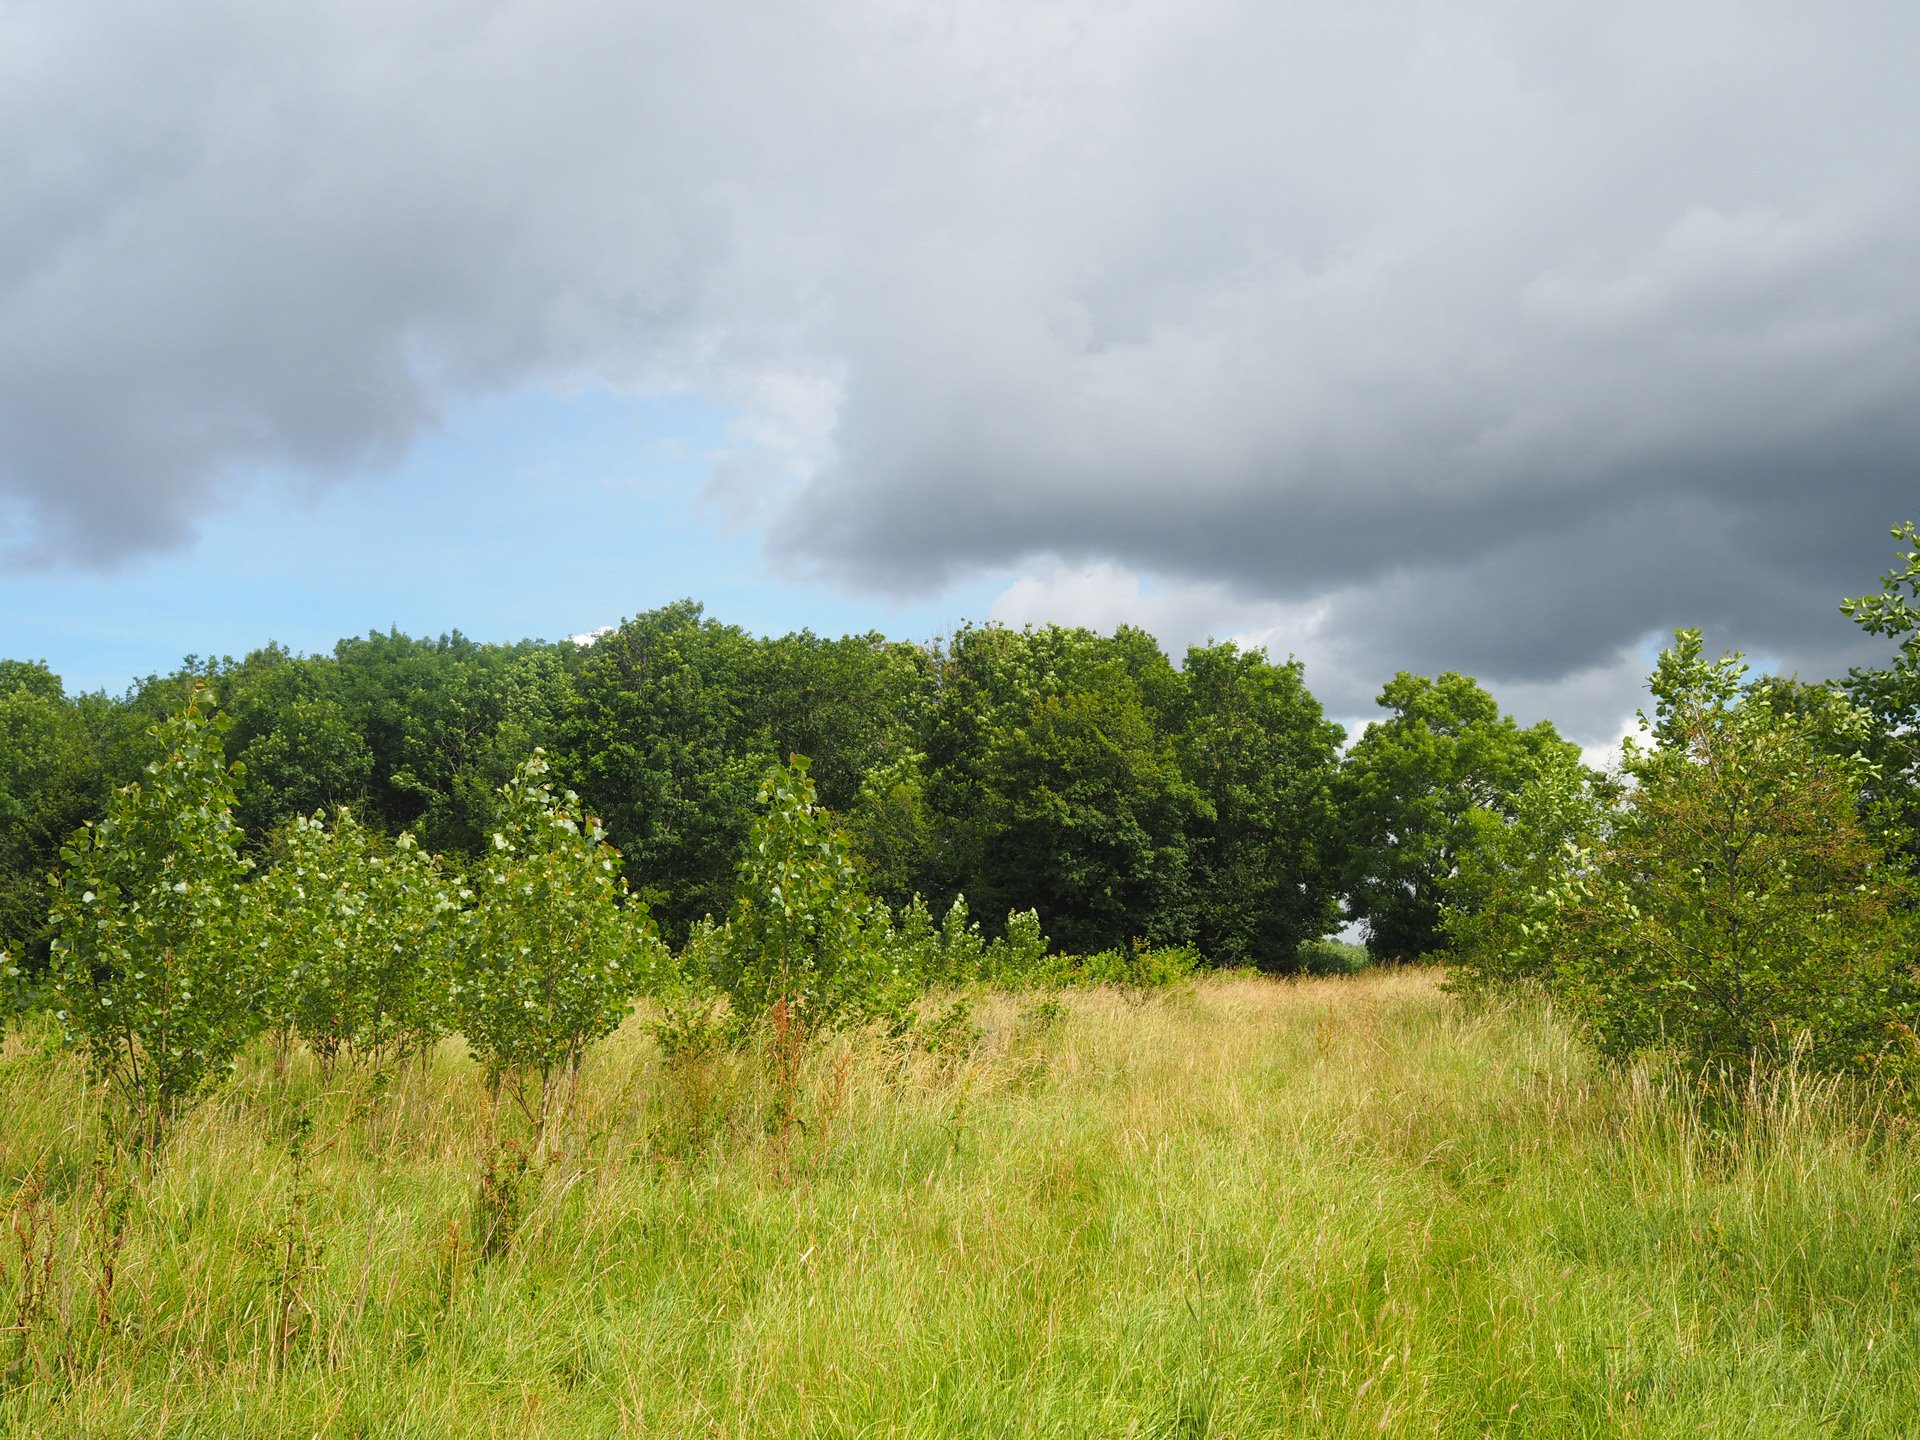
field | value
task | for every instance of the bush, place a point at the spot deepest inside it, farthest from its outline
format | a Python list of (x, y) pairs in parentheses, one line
[(1330, 957), (949, 955), (359, 938), (1510, 901), (13, 993), (154, 972), (1019, 955), (1731, 904), (803, 934), (551, 956), (1139, 966), (958, 954)]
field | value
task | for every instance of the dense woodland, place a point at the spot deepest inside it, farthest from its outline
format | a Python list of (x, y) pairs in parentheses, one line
[(1082, 775)]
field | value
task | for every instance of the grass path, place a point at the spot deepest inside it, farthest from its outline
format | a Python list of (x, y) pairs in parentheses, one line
[(1255, 1208)]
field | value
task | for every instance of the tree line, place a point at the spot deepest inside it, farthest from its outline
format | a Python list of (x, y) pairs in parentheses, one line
[(1741, 883), (1085, 776)]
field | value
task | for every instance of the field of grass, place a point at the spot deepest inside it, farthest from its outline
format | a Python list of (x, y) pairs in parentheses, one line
[(1245, 1208)]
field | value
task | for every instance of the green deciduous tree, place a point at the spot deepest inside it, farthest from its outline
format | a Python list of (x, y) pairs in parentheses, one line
[(1890, 694), (891, 828), (155, 973), (555, 949), (1408, 791), (1519, 874), (1730, 902), (314, 758), (1053, 781), (52, 778), (850, 705), (359, 938), (1263, 759), (12, 991), (664, 744), (1088, 813), (802, 932)]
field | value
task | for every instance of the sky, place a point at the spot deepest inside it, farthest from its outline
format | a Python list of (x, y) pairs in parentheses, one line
[(1465, 334)]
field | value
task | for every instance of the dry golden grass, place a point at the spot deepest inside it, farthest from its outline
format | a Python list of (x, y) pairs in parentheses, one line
[(1316, 1208)]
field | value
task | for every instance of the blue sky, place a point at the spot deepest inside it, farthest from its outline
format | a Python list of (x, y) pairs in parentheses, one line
[(534, 514)]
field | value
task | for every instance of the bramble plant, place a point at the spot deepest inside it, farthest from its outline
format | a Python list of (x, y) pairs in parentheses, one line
[(154, 972), (555, 949), (359, 938)]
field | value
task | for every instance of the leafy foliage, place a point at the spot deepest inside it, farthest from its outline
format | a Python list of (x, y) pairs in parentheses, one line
[(51, 781), (359, 937), (661, 741), (1731, 903), (802, 932), (13, 997), (1138, 966), (1264, 846), (1890, 694), (1409, 793), (956, 952), (313, 759), (1087, 810), (555, 949), (1503, 904), (891, 828), (154, 972)]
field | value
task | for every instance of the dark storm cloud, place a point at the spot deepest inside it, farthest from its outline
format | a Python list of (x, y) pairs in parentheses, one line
[(1488, 336)]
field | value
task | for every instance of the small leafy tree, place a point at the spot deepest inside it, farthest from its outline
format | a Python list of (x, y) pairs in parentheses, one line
[(359, 938), (154, 972), (555, 949), (1890, 694), (1503, 917), (803, 932), (1731, 904)]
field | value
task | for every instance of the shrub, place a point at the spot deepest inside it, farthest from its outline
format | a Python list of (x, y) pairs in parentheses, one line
[(154, 972), (957, 953), (953, 954), (359, 938), (803, 933), (1731, 904), (1139, 966), (1019, 954), (551, 956), (1511, 899), (13, 997), (1330, 957)]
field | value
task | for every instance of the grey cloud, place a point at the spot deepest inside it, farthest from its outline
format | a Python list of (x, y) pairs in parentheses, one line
[(1497, 337)]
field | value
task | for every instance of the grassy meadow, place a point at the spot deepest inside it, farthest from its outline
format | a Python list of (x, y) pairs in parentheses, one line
[(1244, 1207)]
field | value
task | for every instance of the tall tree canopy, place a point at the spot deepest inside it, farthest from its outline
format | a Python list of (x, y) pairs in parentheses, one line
[(1407, 794), (666, 747), (1264, 847)]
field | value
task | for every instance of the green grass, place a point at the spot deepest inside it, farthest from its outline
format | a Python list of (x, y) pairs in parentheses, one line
[(1248, 1207)]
